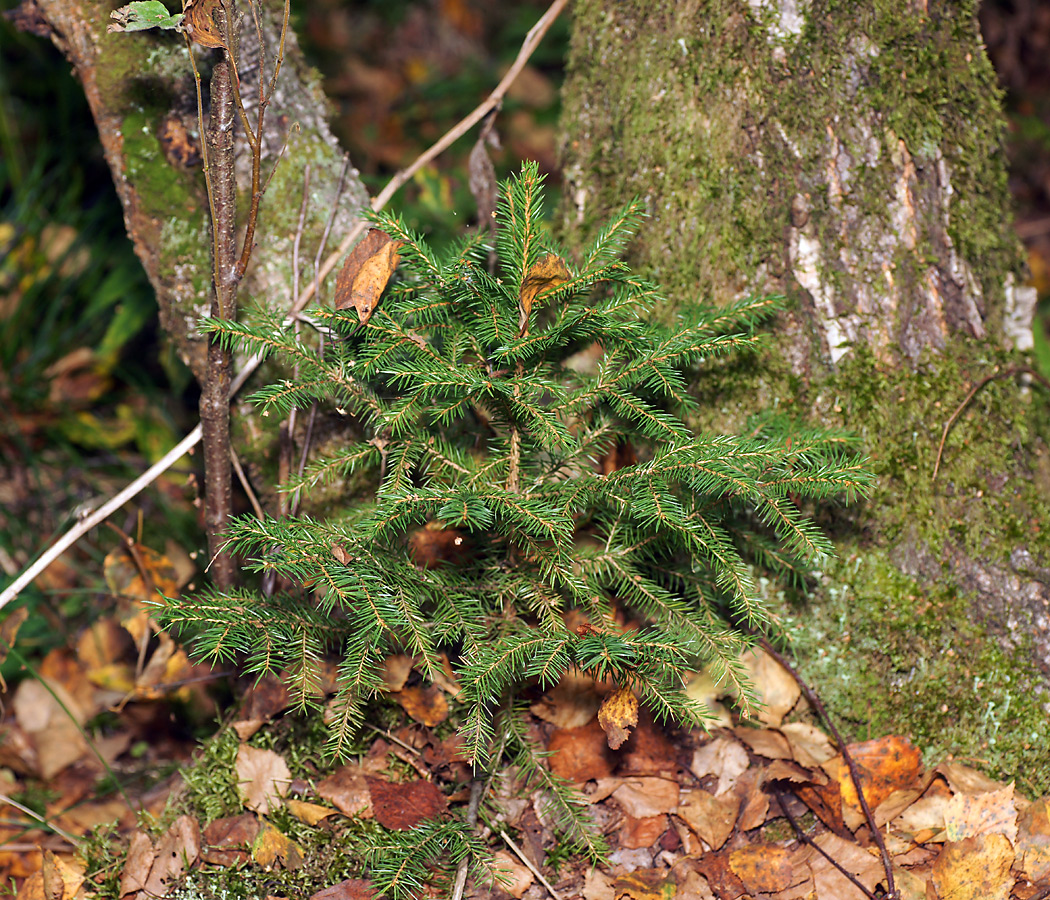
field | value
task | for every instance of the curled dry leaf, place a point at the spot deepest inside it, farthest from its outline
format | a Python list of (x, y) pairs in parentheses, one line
[(545, 274), (618, 715), (364, 275), (200, 23)]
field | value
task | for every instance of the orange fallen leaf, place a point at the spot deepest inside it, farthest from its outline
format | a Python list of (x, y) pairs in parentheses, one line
[(885, 765), (636, 833), (310, 813), (580, 754), (364, 275), (763, 868), (618, 715), (347, 790), (273, 846), (1033, 840), (975, 868), (425, 704), (544, 275)]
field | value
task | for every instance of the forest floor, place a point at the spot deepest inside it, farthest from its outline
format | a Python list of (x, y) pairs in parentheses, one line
[(109, 789)]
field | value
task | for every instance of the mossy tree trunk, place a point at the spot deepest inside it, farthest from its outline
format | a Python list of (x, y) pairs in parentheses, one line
[(849, 156), (141, 92)]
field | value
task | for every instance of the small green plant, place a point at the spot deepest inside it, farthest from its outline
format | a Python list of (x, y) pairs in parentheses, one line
[(484, 405)]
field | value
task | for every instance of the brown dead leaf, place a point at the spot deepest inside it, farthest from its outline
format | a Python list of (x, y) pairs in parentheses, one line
[(580, 754), (351, 889), (137, 865), (177, 850), (546, 274), (965, 780), (272, 846), (364, 275), (55, 736), (62, 876), (401, 807), (724, 758), (923, 820), (763, 868), (425, 704), (865, 866), (1033, 840), (227, 841), (597, 885), (434, 545), (265, 699), (636, 833), (694, 887), (571, 703), (809, 745), (641, 796), (754, 807), (992, 812), (200, 24), (482, 173), (347, 789), (140, 575), (885, 765), (765, 742), (715, 868), (774, 684), (712, 818), (263, 778), (617, 715), (511, 875), (396, 669), (975, 868)]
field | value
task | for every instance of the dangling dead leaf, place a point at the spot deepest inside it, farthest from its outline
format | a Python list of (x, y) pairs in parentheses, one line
[(364, 275), (545, 274), (200, 23), (263, 778), (483, 175), (975, 868), (400, 807), (618, 715), (424, 704)]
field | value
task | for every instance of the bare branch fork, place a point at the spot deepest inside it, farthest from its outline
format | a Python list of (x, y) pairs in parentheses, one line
[(493, 101)]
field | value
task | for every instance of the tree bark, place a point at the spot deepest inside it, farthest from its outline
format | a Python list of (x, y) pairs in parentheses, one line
[(849, 155), (140, 90)]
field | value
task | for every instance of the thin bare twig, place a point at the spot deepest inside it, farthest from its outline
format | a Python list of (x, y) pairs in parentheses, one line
[(806, 839), (815, 702), (529, 865), (995, 376), (477, 789), (532, 40), (246, 485)]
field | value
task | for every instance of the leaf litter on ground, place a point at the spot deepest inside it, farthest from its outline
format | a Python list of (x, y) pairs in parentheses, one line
[(687, 814)]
